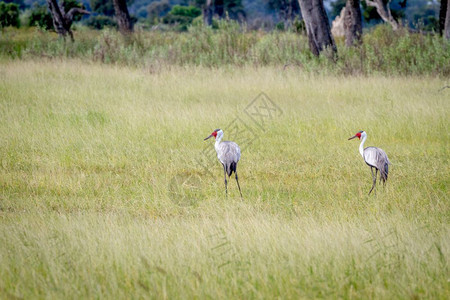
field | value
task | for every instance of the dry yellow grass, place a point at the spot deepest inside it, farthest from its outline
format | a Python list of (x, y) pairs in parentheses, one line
[(102, 195)]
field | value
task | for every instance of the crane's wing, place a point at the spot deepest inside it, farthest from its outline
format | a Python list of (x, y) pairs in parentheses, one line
[(228, 152), (376, 157)]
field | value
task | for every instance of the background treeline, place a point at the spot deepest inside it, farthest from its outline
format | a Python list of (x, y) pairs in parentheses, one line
[(383, 50), (174, 34), (179, 14)]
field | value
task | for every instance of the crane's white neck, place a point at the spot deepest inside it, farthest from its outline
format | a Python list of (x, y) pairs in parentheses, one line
[(361, 146), (218, 138)]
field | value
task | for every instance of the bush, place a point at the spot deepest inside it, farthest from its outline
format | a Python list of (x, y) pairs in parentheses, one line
[(182, 16), (9, 15), (383, 50), (100, 22), (41, 17)]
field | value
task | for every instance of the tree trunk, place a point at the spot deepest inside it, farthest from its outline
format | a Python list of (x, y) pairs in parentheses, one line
[(447, 23), (58, 18), (122, 16), (317, 26), (384, 11), (442, 15), (62, 21), (208, 13), (352, 23)]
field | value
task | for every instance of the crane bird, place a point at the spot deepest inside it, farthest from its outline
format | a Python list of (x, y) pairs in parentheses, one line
[(228, 154), (374, 158)]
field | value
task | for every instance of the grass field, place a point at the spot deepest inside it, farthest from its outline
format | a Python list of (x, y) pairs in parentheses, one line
[(104, 192)]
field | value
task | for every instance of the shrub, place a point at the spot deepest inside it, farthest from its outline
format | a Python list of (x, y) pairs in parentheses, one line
[(100, 22), (41, 17), (182, 16), (9, 15), (383, 50)]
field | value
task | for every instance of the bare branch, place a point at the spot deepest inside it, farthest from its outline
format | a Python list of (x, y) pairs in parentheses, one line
[(384, 11), (75, 10)]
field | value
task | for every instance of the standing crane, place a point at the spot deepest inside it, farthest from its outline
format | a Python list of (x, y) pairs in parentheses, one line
[(228, 154), (374, 158)]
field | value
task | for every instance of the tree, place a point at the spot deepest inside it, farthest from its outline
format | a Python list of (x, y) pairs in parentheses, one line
[(232, 9), (317, 26), (122, 16), (157, 9), (336, 8), (287, 10), (40, 16), (20, 3), (442, 15), (100, 22), (182, 16), (207, 11), (384, 10), (9, 15), (447, 23), (352, 23), (104, 7), (62, 21)]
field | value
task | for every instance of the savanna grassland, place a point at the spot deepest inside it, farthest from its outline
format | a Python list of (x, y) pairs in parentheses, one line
[(102, 194)]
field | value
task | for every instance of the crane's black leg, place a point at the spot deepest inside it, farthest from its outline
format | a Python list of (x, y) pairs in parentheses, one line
[(225, 175), (238, 183), (374, 180), (376, 174)]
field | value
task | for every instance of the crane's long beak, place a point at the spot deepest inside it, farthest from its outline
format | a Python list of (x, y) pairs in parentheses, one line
[(208, 137), (352, 138)]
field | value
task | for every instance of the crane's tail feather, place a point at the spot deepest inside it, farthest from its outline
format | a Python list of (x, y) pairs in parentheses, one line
[(231, 168), (384, 173)]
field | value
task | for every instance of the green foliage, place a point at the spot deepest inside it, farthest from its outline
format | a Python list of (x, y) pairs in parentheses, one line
[(232, 9), (100, 22), (21, 3), (157, 10), (69, 4), (9, 15), (40, 16), (185, 11), (104, 7), (181, 16), (299, 26), (383, 51), (423, 16), (336, 8), (371, 16), (287, 10)]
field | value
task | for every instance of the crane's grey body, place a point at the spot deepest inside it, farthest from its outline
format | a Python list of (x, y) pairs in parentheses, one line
[(375, 158), (229, 155)]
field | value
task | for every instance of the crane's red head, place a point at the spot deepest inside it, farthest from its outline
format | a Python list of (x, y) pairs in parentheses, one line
[(357, 135), (214, 134)]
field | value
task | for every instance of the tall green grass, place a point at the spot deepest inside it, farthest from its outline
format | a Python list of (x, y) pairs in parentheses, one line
[(382, 52), (102, 195)]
